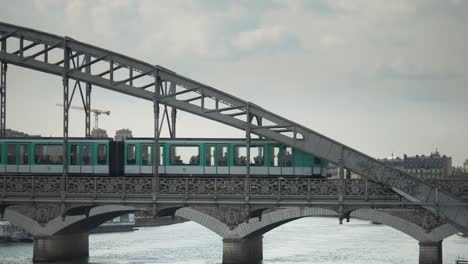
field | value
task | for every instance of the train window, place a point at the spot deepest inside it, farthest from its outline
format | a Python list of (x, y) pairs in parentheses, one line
[(131, 154), (146, 155), (48, 154), (185, 155), (102, 154), (274, 156), (23, 154), (240, 155), (288, 157), (317, 161), (1, 148), (11, 154), (87, 154), (222, 155), (74, 154), (161, 155), (256, 155), (210, 156)]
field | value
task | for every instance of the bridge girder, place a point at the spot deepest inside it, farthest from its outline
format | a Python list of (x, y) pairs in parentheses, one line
[(195, 97)]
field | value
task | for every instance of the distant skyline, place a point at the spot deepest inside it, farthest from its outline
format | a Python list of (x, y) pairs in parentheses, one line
[(380, 76)]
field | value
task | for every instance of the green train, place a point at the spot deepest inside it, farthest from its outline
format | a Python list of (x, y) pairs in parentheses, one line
[(134, 157)]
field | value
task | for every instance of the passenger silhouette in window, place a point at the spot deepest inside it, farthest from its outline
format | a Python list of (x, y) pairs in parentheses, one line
[(288, 159), (223, 160)]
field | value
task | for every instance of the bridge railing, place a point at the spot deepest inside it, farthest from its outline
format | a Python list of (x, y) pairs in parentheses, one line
[(191, 187), (207, 188)]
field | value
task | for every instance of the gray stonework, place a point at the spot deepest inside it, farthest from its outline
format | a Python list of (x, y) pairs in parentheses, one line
[(430, 252), (246, 250), (404, 222), (241, 227), (32, 218), (61, 247)]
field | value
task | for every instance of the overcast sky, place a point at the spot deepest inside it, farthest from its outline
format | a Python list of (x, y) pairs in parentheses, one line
[(380, 76)]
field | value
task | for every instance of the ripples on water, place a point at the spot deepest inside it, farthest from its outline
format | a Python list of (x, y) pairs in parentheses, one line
[(308, 240)]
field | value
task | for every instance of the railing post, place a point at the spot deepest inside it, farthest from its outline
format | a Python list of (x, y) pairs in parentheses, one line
[(216, 188), (124, 189), (186, 188), (95, 187), (366, 198), (278, 197), (4, 187), (32, 187)]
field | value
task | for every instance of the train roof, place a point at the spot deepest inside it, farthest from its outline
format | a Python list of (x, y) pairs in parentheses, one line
[(134, 138)]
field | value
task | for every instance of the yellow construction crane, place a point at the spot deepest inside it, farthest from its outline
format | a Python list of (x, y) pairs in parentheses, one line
[(96, 113)]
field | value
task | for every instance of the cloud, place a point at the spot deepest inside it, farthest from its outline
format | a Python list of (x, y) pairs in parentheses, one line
[(258, 37), (401, 69), (181, 28)]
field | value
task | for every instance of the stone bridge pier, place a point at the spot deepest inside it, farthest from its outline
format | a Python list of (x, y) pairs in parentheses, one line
[(61, 233)]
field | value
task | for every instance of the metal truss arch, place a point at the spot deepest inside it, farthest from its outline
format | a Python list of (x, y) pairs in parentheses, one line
[(136, 78)]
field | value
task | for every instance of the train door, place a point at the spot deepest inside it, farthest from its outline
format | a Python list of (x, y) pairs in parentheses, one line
[(11, 165), (131, 164), (74, 158), (23, 151), (101, 164), (162, 163), (258, 165), (2, 159), (287, 161), (210, 160), (146, 159), (87, 158), (274, 167), (222, 159)]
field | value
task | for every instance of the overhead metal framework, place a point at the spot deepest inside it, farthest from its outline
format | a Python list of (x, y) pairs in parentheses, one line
[(55, 55)]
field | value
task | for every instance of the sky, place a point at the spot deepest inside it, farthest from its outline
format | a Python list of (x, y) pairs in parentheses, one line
[(383, 77)]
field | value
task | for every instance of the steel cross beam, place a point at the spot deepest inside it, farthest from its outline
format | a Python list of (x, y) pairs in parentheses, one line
[(296, 136)]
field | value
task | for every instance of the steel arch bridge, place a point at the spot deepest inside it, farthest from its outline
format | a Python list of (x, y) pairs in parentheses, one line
[(89, 65), (75, 60)]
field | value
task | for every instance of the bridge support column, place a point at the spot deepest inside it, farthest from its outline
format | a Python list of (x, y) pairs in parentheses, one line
[(247, 250), (61, 247), (430, 252)]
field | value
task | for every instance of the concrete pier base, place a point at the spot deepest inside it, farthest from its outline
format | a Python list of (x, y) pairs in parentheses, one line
[(61, 247), (430, 252), (247, 250)]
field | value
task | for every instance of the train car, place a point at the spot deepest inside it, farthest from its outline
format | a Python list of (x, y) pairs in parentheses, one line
[(44, 156), (134, 157), (219, 157)]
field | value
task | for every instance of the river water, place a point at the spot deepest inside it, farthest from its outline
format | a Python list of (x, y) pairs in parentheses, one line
[(307, 240)]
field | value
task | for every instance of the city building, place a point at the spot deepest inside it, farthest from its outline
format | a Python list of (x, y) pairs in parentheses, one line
[(122, 134), (14, 133), (433, 166), (465, 166), (99, 133), (333, 172)]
